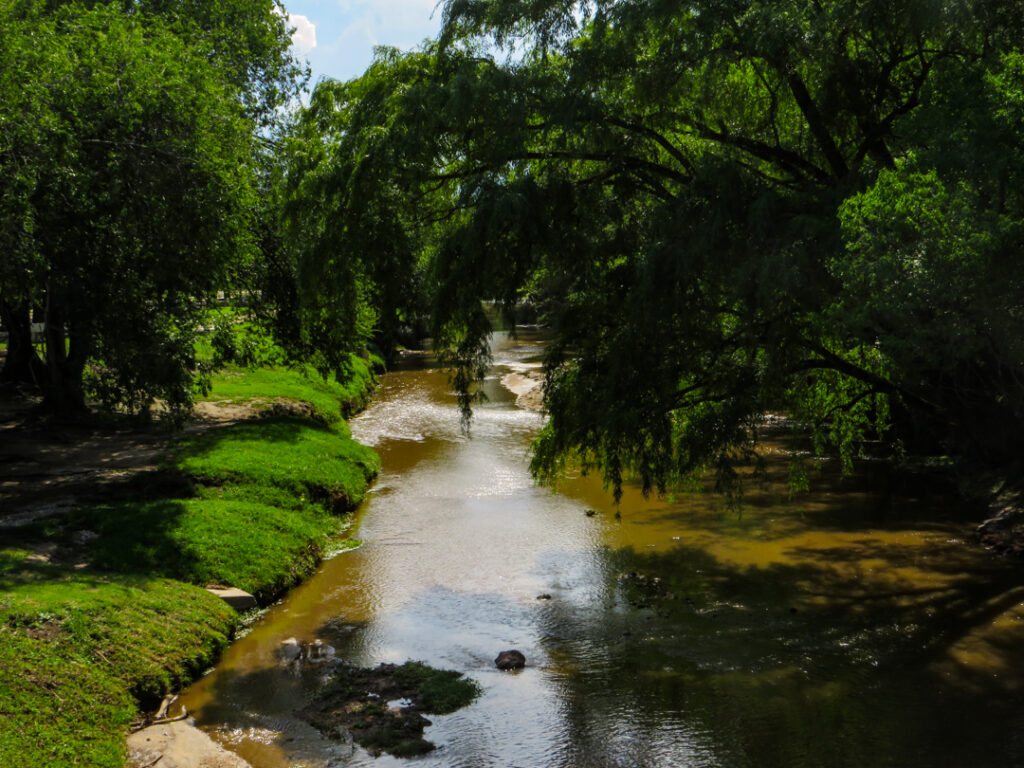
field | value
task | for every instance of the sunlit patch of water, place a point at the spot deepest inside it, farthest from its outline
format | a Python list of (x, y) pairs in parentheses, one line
[(841, 628)]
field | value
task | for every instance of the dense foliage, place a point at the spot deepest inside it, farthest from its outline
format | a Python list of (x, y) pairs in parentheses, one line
[(722, 209), (129, 148)]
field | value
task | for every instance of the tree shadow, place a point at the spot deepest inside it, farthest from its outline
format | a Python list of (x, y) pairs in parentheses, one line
[(875, 495), (272, 429), (863, 655), (140, 538)]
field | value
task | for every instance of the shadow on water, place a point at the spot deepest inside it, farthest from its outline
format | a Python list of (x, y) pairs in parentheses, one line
[(796, 664), (679, 657), (855, 626)]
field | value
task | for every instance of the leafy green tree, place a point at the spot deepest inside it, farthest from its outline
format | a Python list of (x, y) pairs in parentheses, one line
[(247, 41), (357, 279), (130, 160), (722, 207)]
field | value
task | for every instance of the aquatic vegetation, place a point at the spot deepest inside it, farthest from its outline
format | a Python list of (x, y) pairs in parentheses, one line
[(383, 708)]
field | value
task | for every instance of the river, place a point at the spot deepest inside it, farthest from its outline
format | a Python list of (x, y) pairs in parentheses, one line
[(856, 625)]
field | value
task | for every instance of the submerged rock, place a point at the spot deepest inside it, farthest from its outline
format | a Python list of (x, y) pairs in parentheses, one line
[(292, 651), (510, 660), (289, 650), (319, 652)]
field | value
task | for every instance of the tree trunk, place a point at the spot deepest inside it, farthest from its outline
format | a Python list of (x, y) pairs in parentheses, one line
[(65, 395), (21, 364)]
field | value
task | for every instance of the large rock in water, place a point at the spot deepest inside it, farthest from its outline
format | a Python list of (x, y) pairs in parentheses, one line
[(510, 660)]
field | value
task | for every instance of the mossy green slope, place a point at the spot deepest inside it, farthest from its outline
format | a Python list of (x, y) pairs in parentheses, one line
[(80, 648), (269, 495), (308, 460), (331, 399), (252, 504)]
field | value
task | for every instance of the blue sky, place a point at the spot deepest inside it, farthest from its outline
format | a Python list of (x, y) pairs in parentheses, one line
[(338, 36)]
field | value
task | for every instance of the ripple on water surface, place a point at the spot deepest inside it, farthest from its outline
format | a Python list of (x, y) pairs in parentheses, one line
[(842, 628)]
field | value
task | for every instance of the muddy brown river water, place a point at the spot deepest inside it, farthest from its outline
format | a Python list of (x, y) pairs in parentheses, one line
[(857, 625)]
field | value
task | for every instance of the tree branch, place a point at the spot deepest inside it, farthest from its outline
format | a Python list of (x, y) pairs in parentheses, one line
[(817, 125), (831, 361)]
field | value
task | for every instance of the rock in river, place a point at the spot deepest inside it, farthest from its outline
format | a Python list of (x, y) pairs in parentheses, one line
[(510, 660)]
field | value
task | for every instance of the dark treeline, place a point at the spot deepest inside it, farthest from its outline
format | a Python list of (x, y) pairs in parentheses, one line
[(720, 209)]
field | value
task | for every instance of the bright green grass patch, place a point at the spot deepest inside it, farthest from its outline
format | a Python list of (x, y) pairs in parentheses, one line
[(151, 633), (58, 710), (260, 548), (269, 494), (311, 461), (330, 399), (75, 645)]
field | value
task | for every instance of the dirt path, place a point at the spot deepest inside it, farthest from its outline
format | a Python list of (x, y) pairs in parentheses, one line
[(47, 469)]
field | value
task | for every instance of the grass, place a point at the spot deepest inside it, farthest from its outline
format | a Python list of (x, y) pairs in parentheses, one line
[(253, 504), (79, 649), (256, 547), (268, 495), (57, 709), (308, 460), (331, 400)]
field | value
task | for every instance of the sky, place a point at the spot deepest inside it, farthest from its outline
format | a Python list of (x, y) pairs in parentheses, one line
[(338, 36)]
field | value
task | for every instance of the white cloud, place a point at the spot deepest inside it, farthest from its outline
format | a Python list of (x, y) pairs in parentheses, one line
[(304, 36), (346, 31)]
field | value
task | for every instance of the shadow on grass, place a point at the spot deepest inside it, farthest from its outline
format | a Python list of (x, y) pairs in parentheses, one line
[(141, 538), (245, 505)]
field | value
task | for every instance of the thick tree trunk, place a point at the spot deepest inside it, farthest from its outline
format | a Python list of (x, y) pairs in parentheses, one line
[(21, 363), (64, 392)]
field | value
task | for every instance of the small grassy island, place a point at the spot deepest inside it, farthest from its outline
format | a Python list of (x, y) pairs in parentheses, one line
[(383, 708)]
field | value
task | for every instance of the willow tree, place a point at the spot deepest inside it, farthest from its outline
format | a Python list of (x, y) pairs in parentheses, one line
[(723, 208)]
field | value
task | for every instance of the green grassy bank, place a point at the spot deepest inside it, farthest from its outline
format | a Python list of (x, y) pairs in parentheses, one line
[(117, 616)]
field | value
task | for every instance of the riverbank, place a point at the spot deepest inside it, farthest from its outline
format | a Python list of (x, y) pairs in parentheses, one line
[(107, 549), (852, 625)]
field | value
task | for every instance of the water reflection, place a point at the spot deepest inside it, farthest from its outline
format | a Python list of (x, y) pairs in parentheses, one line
[(839, 629)]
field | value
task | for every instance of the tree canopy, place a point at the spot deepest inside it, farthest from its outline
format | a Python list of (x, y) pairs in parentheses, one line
[(721, 209), (129, 151)]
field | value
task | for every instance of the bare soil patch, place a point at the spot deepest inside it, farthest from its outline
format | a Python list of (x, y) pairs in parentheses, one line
[(47, 468)]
